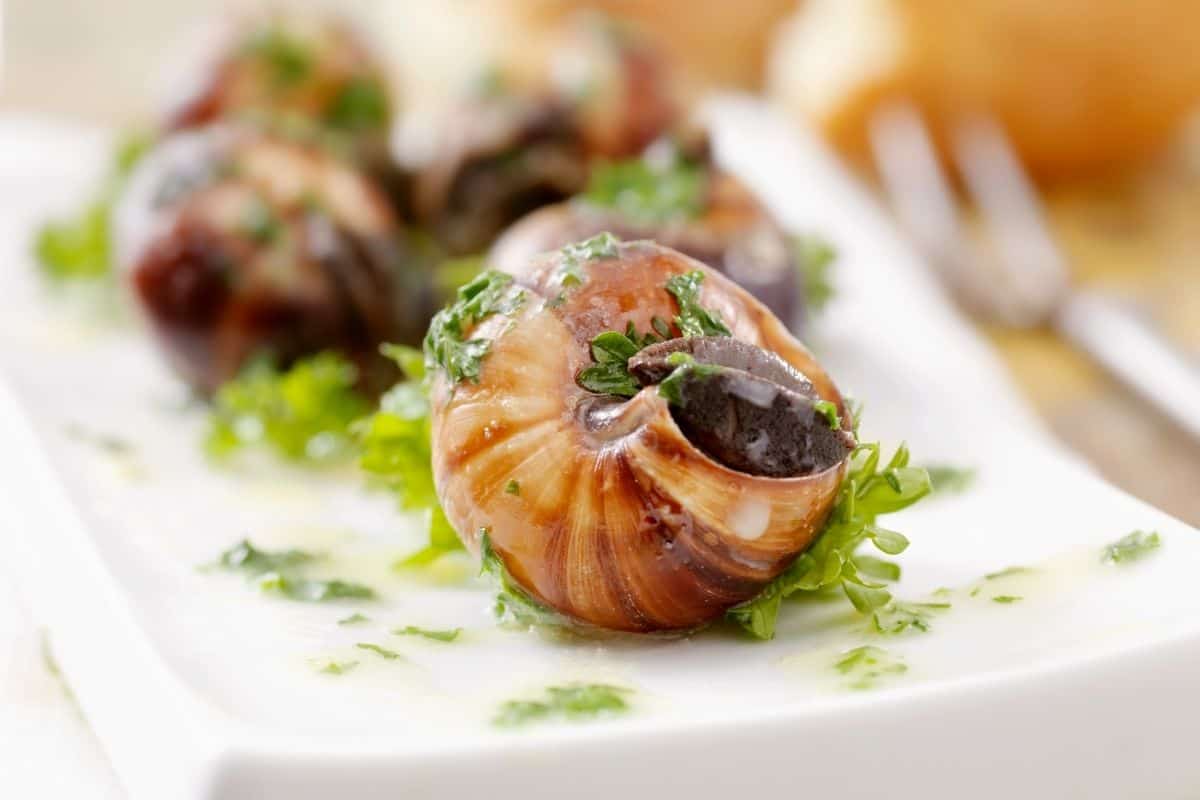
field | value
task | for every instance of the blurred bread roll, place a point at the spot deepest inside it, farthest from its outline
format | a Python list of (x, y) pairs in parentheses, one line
[(1080, 85)]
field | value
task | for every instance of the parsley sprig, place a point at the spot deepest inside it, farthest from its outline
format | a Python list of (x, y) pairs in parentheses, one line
[(303, 413), (573, 701), (1131, 547), (694, 319), (488, 293), (279, 572), (80, 247), (866, 493), (649, 193), (513, 604)]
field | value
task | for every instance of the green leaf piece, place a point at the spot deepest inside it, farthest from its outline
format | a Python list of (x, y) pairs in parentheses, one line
[(448, 635), (1132, 547), (303, 414), (572, 701), (694, 319)]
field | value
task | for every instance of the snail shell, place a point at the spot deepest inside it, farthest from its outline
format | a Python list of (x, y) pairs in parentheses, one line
[(619, 520), (733, 234), (237, 244)]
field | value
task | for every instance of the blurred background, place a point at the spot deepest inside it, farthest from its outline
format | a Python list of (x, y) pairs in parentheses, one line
[(1097, 99)]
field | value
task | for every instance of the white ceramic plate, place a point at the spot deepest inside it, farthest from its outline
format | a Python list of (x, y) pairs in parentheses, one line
[(199, 687)]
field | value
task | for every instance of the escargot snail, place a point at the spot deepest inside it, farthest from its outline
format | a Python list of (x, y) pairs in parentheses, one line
[(237, 243), (634, 491), (709, 214)]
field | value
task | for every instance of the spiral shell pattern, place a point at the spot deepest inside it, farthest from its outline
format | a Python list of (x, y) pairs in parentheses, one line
[(617, 520)]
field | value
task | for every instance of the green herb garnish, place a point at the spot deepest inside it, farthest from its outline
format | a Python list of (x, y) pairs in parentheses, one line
[(390, 655), (354, 619), (305, 590), (448, 635), (830, 412), (303, 413), (610, 374), (814, 261), (1131, 547), (289, 60), (694, 319), (513, 604), (1007, 598), (866, 493), (1007, 572), (573, 702), (513, 488), (487, 294), (79, 248), (245, 557), (576, 254), (278, 572), (867, 665), (671, 387), (332, 667), (362, 104), (647, 193)]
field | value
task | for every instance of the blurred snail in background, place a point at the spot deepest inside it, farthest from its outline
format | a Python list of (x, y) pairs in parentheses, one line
[(642, 442), (676, 196), (510, 149), (304, 76), (237, 243)]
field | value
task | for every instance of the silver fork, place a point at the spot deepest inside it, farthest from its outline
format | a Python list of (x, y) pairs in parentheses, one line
[(1025, 281)]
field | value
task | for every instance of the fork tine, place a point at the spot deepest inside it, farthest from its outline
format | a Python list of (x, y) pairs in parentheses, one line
[(922, 197), (1004, 194)]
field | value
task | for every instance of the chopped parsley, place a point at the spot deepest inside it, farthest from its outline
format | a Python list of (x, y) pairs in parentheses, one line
[(448, 635), (513, 604), (830, 412), (1131, 547), (362, 104), (354, 619), (671, 387), (574, 701), (279, 572), (333, 667), (814, 261), (306, 590), (513, 488), (80, 248), (649, 193), (288, 59), (611, 351), (383, 652), (245, 557), (576, 254), (303, 413), (866, 493), (1007, 572), (694, 319), (1007, 598), (488, 293), (865, 666)]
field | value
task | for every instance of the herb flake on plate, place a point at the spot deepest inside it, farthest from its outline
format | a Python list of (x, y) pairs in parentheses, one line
[(1132, 547), (574, 701)]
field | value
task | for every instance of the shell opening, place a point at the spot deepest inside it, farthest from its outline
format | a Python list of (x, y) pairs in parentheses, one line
[(743, 406)]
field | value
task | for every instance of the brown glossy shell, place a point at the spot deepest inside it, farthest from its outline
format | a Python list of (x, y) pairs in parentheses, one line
[(623, 525), (733, 234)]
